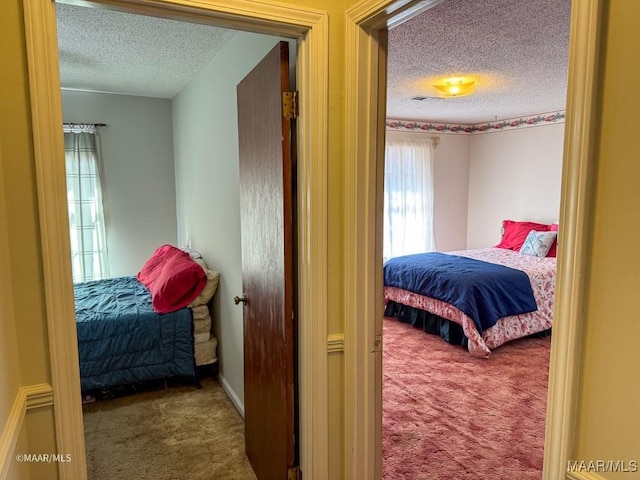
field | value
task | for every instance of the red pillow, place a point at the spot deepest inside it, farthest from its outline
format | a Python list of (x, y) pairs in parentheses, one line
[(173, 279), (554, 246), (515, 233)]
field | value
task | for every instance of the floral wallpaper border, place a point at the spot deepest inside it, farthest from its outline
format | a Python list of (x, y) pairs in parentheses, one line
[(500, 125)]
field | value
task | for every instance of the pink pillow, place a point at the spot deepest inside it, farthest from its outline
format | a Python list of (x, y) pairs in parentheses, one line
[(515, 233), (554, 246), (173, 279)]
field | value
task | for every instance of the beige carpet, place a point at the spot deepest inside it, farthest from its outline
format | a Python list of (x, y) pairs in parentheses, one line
[(164, 434)]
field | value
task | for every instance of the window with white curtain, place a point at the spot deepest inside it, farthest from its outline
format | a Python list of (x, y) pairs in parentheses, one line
[(408, 195), (84, 195)]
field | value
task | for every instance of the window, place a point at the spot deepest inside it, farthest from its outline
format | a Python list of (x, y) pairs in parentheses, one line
[(408, 196), (84, 195)]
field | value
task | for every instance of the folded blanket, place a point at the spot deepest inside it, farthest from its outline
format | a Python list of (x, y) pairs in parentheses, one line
[(200, 312)]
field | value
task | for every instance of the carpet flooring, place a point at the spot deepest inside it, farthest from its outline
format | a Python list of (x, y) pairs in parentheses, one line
[(448, 415), (176, 433)]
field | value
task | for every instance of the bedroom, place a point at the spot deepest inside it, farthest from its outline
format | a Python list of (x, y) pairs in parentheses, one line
[(167, 174), (457, 147), (496, 155)]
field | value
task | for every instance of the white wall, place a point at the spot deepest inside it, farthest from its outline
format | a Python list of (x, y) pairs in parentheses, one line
[(208, 196), (515, 175), (139, 178)]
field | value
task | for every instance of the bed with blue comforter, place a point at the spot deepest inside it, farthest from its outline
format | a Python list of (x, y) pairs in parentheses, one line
[(122, 340), (477, 298)]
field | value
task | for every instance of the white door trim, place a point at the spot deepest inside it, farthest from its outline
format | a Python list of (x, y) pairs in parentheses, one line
[(310, 27), (366, 85)]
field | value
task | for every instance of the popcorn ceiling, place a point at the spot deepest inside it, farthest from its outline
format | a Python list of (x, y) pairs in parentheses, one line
[(117, 52), (516, 50)]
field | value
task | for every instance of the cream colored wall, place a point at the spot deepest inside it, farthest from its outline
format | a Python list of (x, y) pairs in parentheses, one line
[(514, 174), (9, 358), (22, 266), (608, 423), (451, 192)]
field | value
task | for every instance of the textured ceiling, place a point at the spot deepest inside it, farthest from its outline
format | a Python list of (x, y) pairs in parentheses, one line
[(516, 50), (107, 51)]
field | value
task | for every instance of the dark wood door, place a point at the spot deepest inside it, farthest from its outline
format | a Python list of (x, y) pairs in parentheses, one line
[(268, 247)]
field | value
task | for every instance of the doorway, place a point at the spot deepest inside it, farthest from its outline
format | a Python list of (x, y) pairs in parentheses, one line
[(366, 41), (309, 28), (473, 192), (139, 162)]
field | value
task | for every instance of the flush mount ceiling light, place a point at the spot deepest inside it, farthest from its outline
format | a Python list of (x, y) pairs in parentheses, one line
[(455, 87)]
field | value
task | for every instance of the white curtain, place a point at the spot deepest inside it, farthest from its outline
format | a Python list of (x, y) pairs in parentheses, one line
[(84, 194), (408, 196)]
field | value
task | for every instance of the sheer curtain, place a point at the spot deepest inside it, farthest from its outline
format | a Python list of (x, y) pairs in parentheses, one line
[(84, 195), (408, 195)]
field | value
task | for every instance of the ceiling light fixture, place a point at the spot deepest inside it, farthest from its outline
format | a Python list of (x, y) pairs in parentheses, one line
[(455, 87)]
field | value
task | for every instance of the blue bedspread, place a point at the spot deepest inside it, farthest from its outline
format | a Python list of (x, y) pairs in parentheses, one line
[(484, 291), (122, 340)]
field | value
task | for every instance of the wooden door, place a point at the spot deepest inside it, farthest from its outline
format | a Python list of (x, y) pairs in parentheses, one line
[(268, 246)]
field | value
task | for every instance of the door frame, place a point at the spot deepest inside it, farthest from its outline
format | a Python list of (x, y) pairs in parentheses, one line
[(366, 24), (310, 28)]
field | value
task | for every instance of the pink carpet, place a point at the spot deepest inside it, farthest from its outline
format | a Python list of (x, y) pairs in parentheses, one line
[(448, 415)]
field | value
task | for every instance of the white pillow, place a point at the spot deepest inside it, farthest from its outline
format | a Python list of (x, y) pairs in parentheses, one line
[(538, 244)]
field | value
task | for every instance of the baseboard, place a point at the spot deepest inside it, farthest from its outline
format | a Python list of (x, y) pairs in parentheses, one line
[(231, 394), (27, 398)]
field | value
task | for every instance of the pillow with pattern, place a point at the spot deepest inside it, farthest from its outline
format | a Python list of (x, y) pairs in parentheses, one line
[(537, 243)]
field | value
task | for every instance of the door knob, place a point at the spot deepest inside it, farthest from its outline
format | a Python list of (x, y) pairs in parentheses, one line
[(242, 299)]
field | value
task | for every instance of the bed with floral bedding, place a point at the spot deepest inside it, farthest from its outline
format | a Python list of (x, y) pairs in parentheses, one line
[(464, 306)]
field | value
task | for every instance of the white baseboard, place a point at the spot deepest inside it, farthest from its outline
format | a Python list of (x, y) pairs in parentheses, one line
[(231, 394), (27, 398)]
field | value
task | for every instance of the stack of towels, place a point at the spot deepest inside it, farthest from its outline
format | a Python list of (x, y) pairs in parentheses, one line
[(205, 344)]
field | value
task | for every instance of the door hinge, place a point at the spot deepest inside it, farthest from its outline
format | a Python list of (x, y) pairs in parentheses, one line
[(290, 104), (294, 474)]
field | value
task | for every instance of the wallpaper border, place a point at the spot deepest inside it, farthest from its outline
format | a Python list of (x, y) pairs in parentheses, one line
[(478, 128)]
